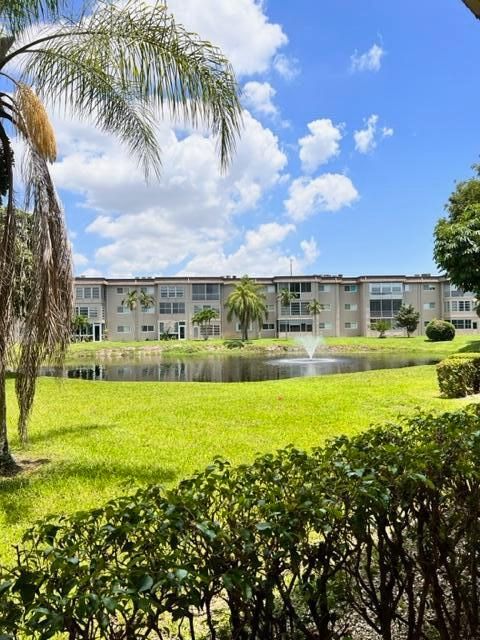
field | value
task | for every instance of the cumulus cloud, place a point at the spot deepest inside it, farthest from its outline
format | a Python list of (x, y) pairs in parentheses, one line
[(258, 96), (371, 60), (241, 29), (328, 192), (320, 145), (366, 138), (285, 66)]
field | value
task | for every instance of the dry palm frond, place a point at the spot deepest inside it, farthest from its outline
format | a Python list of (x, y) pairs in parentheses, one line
[(33, 122), (46, 333)]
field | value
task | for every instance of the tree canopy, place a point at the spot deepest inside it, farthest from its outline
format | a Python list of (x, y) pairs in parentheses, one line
[(247, 302), (457, 236), (407, 318)]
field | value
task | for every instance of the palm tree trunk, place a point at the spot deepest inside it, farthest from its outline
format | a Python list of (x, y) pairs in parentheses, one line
[(6, 460)]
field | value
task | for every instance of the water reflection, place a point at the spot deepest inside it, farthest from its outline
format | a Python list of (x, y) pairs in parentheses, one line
[(229, 368)]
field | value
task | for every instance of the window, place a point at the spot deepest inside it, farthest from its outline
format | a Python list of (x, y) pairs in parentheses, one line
[(92, 312), (297, 288), (324, 288), (205, 292), (446, 306), (326, 307), (351, 307), (210, 330), (87, 292), (429, 305), (464, 305), (171, 307), (461, 323), (148, 328), (350, 288), (295, 326), (123, 329), (238, 327), (171, 291), (83, 311), (147, 309), (96, 293), (123, 309), (429, 287), (79, 293), (269, 326), (385, 308), (270, 288), (325, 325), (386, 289), (122, 290), (295, 309), (149, 290), (351, 325), (201, 307)]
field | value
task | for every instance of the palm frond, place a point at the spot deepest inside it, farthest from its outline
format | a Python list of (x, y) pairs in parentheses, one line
[(18, 14), (46, 333), (119, 57)]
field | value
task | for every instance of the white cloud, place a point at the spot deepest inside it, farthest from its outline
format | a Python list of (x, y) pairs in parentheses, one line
[(241, 30), (79, 260), (192, 209), (371, 60), (320, 145), (366, 139), (287, 67), (328, 192), (260, 254), (258, 96)]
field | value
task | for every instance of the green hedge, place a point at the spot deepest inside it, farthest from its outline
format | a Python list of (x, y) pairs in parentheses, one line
[(459, 375), (440, 331), (383, 527)]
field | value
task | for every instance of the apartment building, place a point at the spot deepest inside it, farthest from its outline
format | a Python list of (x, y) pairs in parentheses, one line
[(350, 305)]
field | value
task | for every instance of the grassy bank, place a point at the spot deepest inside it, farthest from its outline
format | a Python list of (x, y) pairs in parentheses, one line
[(417, 344), (96, 440)]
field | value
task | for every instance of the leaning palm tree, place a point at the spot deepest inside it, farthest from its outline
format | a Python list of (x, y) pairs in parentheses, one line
[(247, 303), (315, 308), (118, 66)]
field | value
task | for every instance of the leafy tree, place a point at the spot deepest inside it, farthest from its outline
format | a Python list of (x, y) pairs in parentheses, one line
[(315, 308), (204, 318), (407, 318), (381, 326), (117, 65), (457, 236), (247, 303)]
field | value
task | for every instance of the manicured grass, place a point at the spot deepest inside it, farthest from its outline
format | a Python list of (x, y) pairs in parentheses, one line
[(102, 438), (418, 344)]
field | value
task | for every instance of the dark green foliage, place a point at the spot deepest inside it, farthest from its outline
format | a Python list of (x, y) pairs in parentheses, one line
[(384, 525), (234, 343), (407, 318), (459, 375), (440, 331), (457, 237), (381, 326)]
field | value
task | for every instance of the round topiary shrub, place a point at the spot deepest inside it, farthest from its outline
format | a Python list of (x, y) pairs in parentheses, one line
[(440, 331)]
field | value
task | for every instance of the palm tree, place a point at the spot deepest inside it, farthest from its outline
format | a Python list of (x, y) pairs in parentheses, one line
[(204, 318), (131, 300), (118, 65), (146, 300), (286, 296), (80, 325), (247, 303), (315, 308)]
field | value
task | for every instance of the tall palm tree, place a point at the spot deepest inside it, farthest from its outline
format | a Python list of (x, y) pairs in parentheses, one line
[(118, 65), (247, 302), (204, 319), (315, 308), (131, 300), (146, 300)]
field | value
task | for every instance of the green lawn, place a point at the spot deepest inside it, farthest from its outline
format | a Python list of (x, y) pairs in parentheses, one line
[(99, 439), (417, 344)]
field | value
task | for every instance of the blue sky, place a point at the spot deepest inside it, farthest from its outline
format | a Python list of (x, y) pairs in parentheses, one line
[(359, 118)]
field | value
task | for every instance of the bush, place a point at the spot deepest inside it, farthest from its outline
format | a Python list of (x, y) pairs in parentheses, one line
[(440, 331), (234, 343), (384, 526), (459, 375)]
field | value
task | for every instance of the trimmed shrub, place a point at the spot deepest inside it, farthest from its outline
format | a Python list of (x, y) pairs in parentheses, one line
[(384, 527), (440, 331), (459, 375)]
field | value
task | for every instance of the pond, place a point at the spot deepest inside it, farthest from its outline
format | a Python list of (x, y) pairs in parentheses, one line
[(231, 368)]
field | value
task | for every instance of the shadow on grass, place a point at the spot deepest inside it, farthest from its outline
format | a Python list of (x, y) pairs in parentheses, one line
[(19, 493), (48, 435), (471, 347)]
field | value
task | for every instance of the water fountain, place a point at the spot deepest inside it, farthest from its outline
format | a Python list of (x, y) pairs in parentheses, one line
[(310, 344)]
